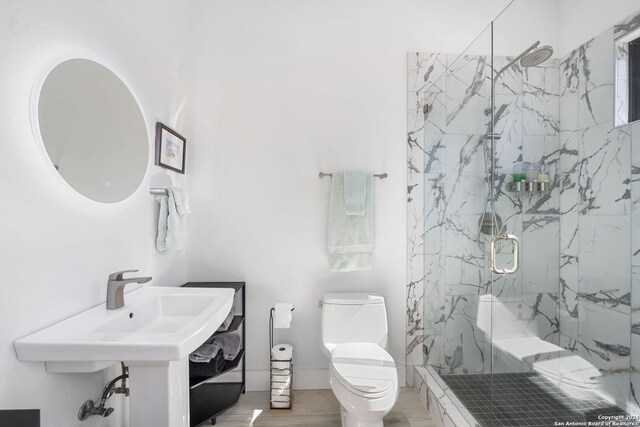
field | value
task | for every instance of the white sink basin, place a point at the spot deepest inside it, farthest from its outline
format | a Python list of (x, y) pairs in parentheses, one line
[(153, 334), (155, 324), (163, 314)]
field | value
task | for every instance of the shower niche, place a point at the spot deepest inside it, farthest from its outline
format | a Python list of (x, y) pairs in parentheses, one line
[(529, 187)]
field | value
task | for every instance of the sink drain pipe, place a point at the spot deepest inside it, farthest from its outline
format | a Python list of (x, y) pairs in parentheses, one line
[(89, 407)]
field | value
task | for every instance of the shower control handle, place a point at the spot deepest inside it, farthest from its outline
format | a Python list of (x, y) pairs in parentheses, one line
[(516, 254)]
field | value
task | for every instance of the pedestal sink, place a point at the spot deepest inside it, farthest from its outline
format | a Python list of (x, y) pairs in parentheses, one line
[(153, 334)]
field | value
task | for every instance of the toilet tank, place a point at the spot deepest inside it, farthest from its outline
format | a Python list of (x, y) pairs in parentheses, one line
[(353, 317)]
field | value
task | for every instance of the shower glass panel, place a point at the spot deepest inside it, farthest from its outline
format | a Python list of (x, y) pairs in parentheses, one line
[(457, 172), (519, 139)]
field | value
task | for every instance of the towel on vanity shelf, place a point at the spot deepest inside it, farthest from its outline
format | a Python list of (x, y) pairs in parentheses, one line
[(355, 192), (350, 237), (230, 345), (173, 207), (205, 353), (213, 367)]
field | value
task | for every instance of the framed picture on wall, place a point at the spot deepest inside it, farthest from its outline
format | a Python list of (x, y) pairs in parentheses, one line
[(170, 148)]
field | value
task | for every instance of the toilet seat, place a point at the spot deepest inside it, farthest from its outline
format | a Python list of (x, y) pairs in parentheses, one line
[(365, 369)]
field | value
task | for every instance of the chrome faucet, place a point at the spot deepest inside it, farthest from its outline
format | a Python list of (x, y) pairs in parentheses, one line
[(115, 288)]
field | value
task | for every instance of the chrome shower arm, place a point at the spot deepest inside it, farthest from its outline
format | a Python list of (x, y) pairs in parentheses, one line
[(517, 58)]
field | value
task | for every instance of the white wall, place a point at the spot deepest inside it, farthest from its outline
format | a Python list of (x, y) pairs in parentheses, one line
[(584, 19), (525, 22), (282, 90), (57, 247)]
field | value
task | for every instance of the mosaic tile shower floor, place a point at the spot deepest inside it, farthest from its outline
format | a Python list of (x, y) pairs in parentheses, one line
[(525, 399)]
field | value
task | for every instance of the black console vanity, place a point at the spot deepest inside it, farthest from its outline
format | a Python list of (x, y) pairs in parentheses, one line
[(207, 398)]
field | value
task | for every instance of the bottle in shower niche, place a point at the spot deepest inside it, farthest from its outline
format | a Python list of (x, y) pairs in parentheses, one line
[(543, 175), (519, 171), (532, 172)]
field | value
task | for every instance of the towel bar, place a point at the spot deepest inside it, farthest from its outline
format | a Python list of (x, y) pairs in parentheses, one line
[(158, 191), (377, 175)]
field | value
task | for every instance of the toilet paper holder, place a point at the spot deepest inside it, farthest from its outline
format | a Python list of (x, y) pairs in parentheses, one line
[(280, 376)]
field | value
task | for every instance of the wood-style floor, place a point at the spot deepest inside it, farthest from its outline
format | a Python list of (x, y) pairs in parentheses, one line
[(317, 408)]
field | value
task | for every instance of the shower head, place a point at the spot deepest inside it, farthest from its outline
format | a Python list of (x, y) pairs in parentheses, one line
[(536, 56)]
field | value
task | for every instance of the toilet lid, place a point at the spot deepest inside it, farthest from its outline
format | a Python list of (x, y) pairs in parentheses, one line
[(365, 368)]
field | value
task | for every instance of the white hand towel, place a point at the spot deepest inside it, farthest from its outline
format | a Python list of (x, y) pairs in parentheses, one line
[(350, 237), (175, 223), (173, 207), (181, 200), (355, 192), (161, 240)]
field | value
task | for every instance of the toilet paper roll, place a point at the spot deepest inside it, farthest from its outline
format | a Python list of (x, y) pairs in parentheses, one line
[(280, 379), (282, 352), (280, 365), (282, 315), (284, 391)]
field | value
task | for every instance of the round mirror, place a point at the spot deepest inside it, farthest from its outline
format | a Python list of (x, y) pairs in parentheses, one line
[(93, 130)]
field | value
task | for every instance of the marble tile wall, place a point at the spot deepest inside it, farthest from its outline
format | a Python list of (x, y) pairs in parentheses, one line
[(597, 245), (447, 191)]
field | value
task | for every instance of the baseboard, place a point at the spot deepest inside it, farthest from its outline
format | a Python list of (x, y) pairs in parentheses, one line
[(303, 379), (409, 373), (402, 375)]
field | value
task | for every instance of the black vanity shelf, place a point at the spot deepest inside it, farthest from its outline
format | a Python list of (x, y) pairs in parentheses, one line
[(207, 400), (196, 381)]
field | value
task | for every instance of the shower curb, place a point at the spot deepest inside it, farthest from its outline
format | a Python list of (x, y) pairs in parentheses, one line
[(443, 408)]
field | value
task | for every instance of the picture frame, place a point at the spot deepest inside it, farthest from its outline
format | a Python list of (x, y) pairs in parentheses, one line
[(171, 148)]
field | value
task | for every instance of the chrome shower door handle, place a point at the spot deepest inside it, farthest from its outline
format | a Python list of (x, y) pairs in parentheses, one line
[(516, 254)]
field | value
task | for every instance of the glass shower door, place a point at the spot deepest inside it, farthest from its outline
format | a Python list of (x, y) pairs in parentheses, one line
[(458, 217), (525, 327)]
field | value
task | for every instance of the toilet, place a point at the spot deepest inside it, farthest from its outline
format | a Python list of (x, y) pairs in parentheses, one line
[(362, 374)]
